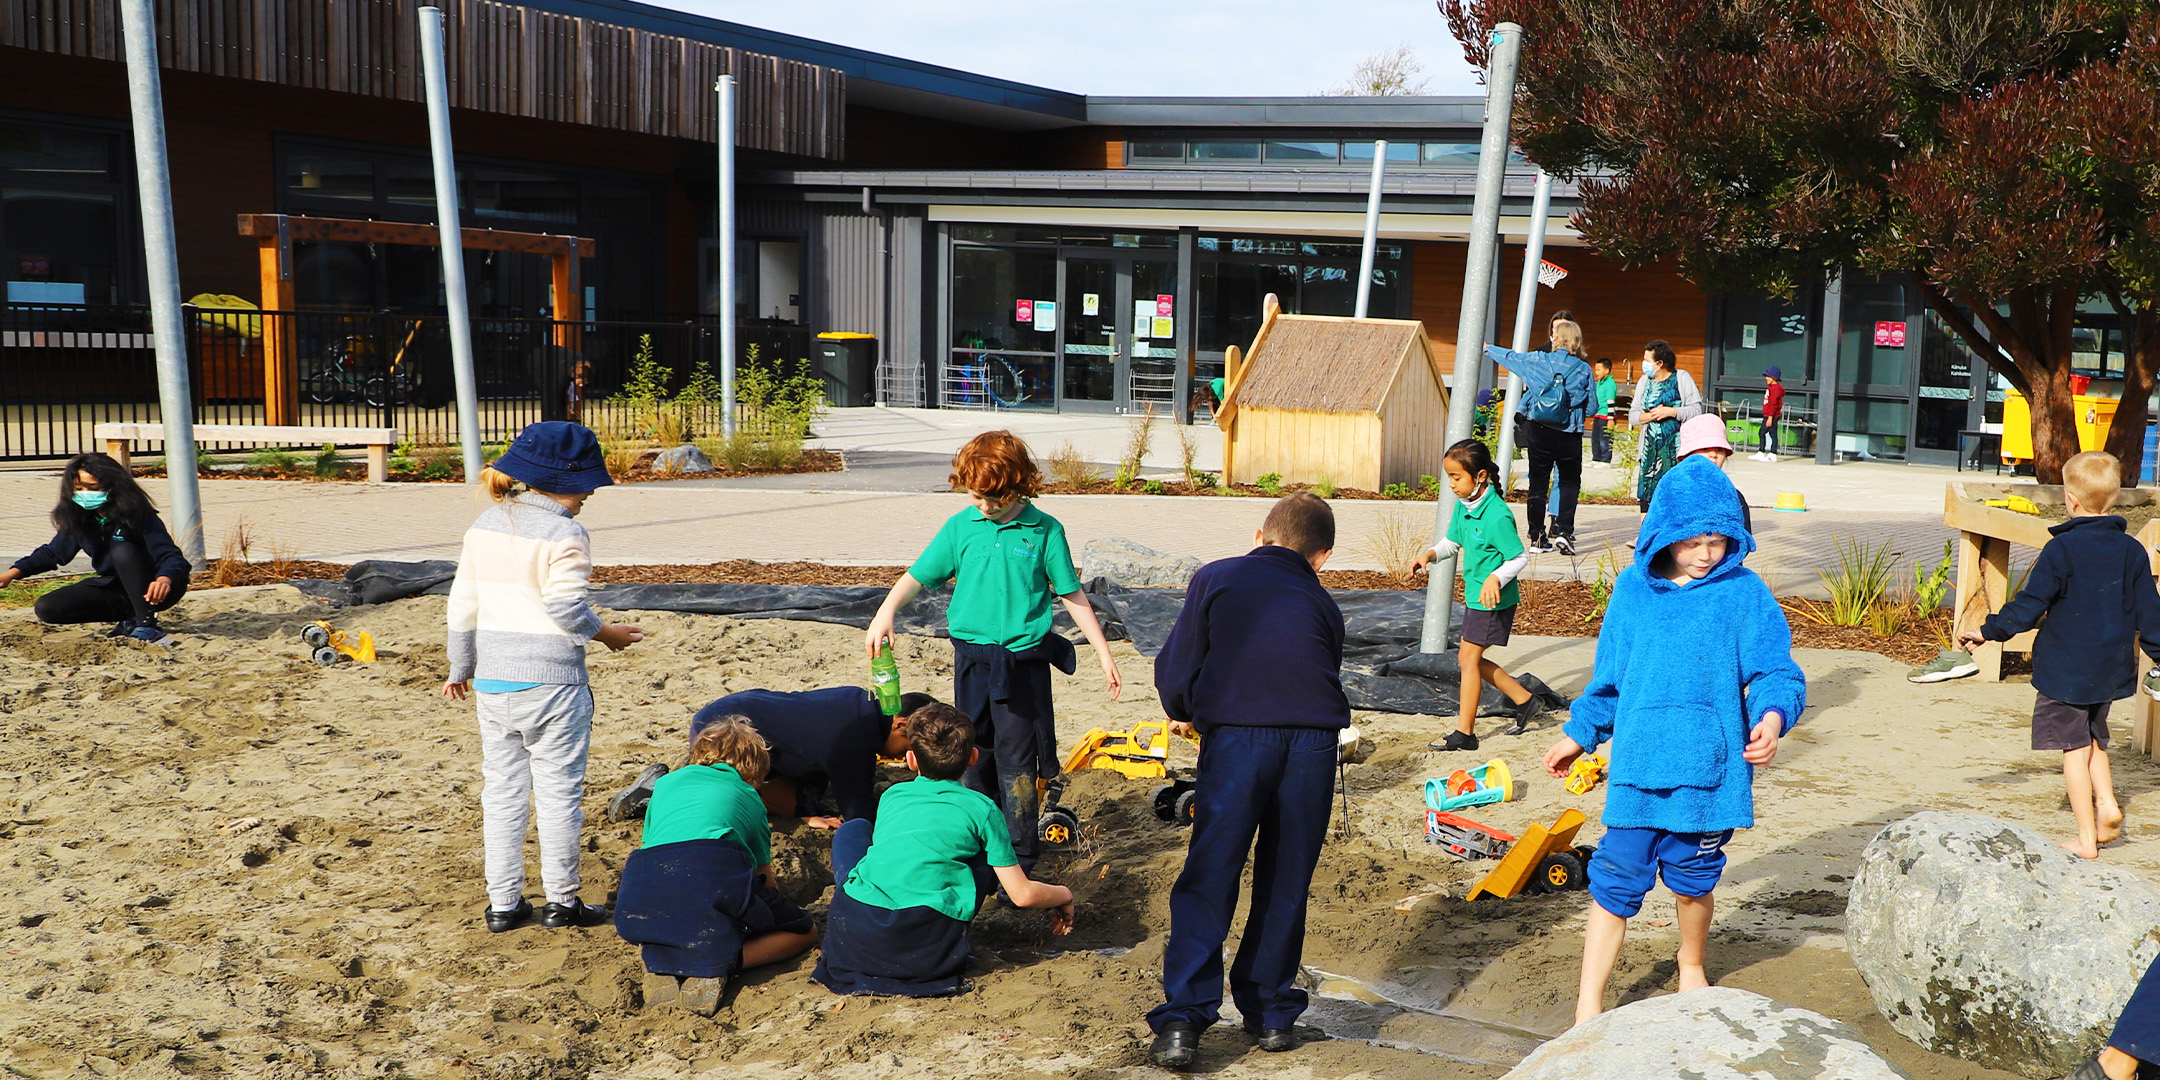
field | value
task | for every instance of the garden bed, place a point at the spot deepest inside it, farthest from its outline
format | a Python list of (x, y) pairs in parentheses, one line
[(453, 472)]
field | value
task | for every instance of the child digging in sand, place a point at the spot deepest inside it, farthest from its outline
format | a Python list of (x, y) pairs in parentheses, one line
[(1483, 529), (1694, 683), (2093, 586), (518, 627)]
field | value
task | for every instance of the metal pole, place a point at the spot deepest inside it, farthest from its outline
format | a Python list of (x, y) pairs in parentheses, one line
[(1470, 332), (1372, 226), (1831, 334), (1525, 310), (453, 241), (162, 261), (726, 87)]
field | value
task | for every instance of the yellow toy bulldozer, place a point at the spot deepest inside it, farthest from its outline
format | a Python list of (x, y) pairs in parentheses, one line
[(1142, 753), (330, 644)]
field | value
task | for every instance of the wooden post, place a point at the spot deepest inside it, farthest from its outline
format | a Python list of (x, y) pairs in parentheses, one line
[(569, 297), (281, 382), (1232, 359), (1983, 582)]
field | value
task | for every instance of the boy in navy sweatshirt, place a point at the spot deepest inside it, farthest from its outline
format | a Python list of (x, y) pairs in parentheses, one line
[(1254, 664), (2093, 585)]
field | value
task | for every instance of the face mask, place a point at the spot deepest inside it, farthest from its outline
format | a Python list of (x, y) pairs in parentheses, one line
[(90, 500)]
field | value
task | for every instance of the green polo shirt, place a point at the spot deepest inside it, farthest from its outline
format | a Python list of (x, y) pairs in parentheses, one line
[(1607, 389), (926, 831), (708, 802), (1005, 575), (1487, 535)]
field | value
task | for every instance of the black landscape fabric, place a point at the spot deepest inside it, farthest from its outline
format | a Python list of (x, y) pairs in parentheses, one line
[(1382, 668)]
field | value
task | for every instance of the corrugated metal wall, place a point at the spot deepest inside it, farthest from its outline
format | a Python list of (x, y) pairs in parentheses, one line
[(845, 286)]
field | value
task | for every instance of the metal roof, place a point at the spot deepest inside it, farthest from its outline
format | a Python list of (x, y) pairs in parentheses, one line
[(1408, 181)]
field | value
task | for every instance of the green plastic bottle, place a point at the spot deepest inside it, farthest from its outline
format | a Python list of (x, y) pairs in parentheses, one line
[(885, 680)]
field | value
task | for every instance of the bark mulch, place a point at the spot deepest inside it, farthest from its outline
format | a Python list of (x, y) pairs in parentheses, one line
[(812, 461)]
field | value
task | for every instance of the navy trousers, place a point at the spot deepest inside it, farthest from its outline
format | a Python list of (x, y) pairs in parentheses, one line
[(2137, 1030), (1016, 730), (1273, 786)]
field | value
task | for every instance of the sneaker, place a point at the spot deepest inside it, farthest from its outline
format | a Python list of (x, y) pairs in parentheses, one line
[(1958, 663), (2152, 683), (574, 913), (1565, 545), (1538, 546), (149, 634), (126, 627), (1457, 740), (1524, 711), (629, 803)]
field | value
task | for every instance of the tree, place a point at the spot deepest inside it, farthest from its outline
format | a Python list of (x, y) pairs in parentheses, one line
[(2002, 154), (1395, 73)]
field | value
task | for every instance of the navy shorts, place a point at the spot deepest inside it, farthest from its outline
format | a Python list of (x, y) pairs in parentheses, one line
[(1629, 861), (2059, 725), (1487, 628)]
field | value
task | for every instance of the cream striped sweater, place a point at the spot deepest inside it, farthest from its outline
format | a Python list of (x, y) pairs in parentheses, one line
[(517, 607)]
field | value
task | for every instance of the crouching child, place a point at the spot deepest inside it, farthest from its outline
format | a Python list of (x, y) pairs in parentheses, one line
[(698, 896), (906, 889)]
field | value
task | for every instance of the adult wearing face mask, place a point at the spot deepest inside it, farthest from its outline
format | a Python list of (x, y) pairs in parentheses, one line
[(1665, 398), (104, 514)]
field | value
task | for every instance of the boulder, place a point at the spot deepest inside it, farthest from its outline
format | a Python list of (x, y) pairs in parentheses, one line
[(1134, 566), (1987, 941), (682, 459), (1715, 1034)]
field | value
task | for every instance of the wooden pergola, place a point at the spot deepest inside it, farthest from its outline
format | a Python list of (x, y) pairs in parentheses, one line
[(275, 233)]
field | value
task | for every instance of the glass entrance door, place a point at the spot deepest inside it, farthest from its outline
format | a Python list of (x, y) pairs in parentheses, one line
[(1093, 343), (1151, 379)]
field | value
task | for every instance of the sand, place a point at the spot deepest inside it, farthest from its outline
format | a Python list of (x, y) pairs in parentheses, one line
[(340, 936)]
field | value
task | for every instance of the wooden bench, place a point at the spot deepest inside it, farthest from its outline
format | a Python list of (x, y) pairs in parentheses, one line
[(117, 437)]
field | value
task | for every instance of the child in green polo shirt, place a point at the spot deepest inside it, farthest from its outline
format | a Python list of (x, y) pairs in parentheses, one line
[(1006, 559), (905, 889), (698, 893), (1483, 530)]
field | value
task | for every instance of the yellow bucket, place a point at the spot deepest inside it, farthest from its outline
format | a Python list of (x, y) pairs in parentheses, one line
[(1792, 502)]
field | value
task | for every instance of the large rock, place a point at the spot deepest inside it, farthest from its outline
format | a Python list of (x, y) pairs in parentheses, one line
[(1129, 564), (1987, 941), (682, 459), (1714, 1034)]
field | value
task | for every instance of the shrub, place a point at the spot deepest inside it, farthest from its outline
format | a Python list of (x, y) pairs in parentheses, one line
[(438, 470), (327, 464), (1204, 479), (1139, 439), (1064, 465), (1858, 584), (273, 458), (1126, 474), (1188, 449), (1270, 483), (1429, 486), (1324, 487), (1608, 571), (1396, 491), (1395, 544), (1152, 487), (204, 459), (401, 457)]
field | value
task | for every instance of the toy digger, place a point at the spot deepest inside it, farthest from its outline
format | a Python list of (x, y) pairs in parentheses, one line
[(1142, 753), (331, 645), (1541, 862)]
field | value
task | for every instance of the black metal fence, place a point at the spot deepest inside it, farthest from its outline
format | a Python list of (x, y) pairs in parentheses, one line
[(65, 369)]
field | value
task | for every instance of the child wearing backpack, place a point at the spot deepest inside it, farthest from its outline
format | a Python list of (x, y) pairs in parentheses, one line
[(1557, 396)]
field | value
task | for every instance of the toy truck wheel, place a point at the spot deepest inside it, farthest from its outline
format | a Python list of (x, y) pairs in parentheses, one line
[(326, 656), (315, 635), (1163, 800), (1584, 852), (1185, 810), (1560, 872), (1058, 826)]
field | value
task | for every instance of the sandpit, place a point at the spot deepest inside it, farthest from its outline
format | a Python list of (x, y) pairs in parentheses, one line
[(339, 937)]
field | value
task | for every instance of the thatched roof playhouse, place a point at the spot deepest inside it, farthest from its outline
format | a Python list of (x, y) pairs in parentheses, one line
[(1358, 401)]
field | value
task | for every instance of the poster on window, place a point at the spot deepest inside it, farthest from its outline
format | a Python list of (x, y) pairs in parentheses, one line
[(1143, 317), (1023, 311), (1890, 335), (1747, 335), (1165, 307), (1162, 326), (1090, 304), (1045, 315)]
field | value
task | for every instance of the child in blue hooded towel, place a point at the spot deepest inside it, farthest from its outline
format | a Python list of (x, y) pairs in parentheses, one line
[(1684, 750)]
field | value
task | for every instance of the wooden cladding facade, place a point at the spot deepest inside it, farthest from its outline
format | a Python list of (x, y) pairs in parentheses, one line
[(503, 58)]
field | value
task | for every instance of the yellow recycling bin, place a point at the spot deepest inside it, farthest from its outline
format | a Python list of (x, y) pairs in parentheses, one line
[(2094, 414)]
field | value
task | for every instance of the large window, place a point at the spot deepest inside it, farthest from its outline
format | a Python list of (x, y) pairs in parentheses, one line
[(63, 209), (1234, 274), (1455, 151)]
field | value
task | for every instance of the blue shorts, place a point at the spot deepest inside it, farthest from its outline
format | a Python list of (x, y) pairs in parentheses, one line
[(1629, 861)]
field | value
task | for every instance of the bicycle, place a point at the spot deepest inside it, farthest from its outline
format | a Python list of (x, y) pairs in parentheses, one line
[(991, 380), (341, 372)]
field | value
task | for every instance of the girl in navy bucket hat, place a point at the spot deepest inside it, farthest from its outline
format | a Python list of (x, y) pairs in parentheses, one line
[(519, 646)]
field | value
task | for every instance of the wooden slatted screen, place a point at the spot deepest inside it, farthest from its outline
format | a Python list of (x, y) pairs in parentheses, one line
[(504, 58)]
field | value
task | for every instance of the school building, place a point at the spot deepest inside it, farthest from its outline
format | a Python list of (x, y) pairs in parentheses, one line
[(1008, 246)]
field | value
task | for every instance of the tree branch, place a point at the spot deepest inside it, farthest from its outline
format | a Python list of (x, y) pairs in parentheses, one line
[(1981, 345)]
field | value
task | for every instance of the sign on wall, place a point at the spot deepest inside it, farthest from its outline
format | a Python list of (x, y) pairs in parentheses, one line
[(1890, 335)]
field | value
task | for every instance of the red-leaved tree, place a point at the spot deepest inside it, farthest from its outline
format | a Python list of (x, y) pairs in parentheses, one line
[(2002, 154)]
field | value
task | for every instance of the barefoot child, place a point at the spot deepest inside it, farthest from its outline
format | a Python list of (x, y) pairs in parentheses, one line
[(1006, 559), (1694, 683), (2093, 585), (1483, 529), (518, 627), (698, 893), (905, 889)]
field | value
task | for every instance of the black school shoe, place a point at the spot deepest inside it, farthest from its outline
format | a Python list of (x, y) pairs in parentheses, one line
[(499, 922), (126, 627), (1273, 1040), (1457, 740), (629, 803), (575, 913), (1176, 1046)]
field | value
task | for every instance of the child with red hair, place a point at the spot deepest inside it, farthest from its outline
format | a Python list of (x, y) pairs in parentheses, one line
[(1005, 559)]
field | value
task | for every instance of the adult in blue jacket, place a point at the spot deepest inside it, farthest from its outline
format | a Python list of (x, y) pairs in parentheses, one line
[(105, 514), (1694, 684), (1558, 394)]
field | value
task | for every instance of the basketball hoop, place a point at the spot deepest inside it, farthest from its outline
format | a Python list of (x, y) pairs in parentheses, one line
[(1550, 274)]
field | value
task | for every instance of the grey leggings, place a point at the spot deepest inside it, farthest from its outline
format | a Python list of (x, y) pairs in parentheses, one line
[(532, 754)]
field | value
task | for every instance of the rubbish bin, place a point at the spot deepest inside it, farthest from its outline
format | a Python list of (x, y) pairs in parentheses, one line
[(847, 362)]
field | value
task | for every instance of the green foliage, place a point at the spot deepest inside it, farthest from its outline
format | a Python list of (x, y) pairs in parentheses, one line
[(1152, 487), (1429, 486), (1204, 479), (1627, 457), (204, 459), (1270, 483), (1324, 487), (438, 470), (646, 385), (401, 457), (1858, 583), (21, 594), (1608, 572), (1127, 472), (1931, 585), (776, 405), (327, 464), (273, 458), (703, 387), (1397, 491)]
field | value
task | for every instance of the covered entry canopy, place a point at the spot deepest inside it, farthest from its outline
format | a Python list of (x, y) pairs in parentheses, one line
[(274, 234)]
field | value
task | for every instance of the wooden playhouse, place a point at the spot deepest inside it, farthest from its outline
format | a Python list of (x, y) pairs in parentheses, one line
[(1356, 401)]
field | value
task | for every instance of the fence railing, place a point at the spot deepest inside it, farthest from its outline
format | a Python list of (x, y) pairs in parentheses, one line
[(65, 369)]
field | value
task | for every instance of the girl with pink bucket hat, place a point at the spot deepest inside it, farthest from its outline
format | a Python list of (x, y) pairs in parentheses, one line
[(1705, 435)]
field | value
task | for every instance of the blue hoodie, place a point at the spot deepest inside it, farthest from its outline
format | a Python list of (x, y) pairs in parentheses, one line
[(1683, 673)]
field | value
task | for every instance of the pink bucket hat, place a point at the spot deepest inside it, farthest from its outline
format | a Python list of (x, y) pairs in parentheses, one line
[(1705, 432)]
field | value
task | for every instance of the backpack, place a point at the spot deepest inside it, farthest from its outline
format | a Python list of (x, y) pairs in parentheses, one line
[(1550, 406)]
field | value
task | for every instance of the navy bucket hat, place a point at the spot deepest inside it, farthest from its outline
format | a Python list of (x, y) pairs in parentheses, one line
[(1773, 372), (556, 456)]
